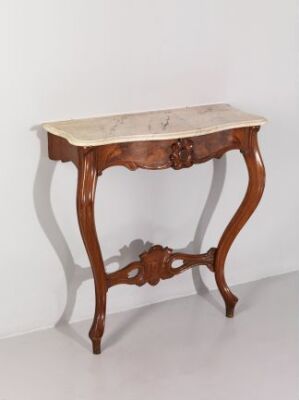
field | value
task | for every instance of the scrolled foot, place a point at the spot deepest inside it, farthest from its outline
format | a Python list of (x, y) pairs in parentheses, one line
[(96, 346), (96, 331), (230, 308)]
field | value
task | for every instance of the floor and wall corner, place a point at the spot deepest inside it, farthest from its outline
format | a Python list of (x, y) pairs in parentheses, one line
[(173, 349)]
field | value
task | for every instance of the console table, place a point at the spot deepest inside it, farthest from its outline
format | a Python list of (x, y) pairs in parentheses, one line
[(175, 138)]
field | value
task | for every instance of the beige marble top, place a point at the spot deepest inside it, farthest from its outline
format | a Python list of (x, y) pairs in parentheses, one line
[(153, 125)]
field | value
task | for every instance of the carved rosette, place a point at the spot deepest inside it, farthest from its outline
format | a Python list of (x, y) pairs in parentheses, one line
[(155, 264), (182, 154), (158, 263)]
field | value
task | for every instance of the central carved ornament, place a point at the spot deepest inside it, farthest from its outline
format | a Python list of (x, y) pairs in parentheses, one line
[(158, 263), (182, 154)]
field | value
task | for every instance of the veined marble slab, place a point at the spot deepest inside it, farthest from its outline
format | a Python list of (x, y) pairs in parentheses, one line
[(153, 125)]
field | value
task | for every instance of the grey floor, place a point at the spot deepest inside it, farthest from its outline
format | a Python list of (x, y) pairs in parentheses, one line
[(179, 349)]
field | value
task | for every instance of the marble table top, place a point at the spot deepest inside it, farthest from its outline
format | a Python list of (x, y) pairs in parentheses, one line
[(153, 125)]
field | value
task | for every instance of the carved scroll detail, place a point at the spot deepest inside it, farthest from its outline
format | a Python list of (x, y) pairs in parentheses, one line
[(182, 154), (158, 263)]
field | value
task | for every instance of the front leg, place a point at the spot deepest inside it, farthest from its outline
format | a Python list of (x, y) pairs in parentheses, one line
[(87, 180), (256, 172)]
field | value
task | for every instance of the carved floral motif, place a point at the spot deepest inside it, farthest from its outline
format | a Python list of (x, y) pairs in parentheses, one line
[(182, 154)]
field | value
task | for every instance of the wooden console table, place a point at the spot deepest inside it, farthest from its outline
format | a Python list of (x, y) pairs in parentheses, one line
[(176, 138)]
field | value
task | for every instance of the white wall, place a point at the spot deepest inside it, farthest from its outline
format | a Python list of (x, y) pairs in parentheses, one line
[(78, 58)]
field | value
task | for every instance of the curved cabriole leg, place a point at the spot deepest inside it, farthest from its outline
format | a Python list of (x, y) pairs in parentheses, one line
[(87, 180), (256, 172)]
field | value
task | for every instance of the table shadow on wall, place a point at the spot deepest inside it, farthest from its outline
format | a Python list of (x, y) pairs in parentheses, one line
[(75, 274)]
